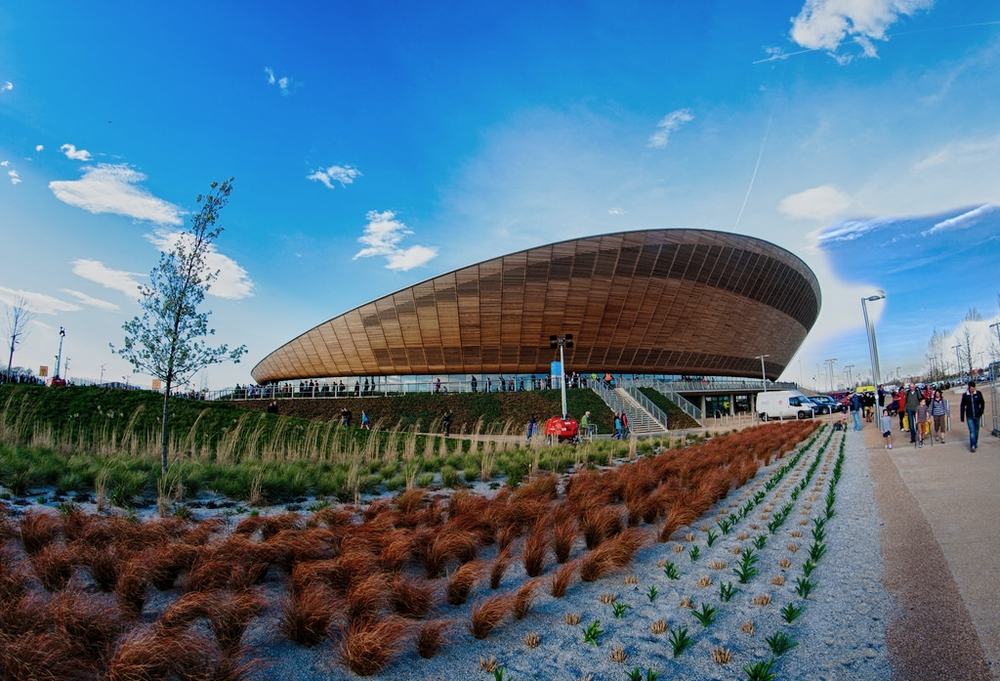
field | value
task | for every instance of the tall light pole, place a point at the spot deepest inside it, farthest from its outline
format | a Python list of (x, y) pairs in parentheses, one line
[(829, 372), (763, 376), (562, 341), (958, 360), (102, 375), (62, 334), (996, 326), (870, 330), (848, 368)]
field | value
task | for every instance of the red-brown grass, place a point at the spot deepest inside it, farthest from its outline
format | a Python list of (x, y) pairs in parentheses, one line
[(228, 614), (506, 535), (368, 646), (367, 597), (539, 487), (431, 637), (411, 597), (165, 563), (156, 654), (410, 500), (13, 580), (104, 564), (678, 516), (449, 545), (306, 615), (563, 536), (488, 613), (535, 546), (39, 655), (88, 625), (463, 579), (500, 565), (290, 546), (600, 523), (130, 589), (523, 598), (53, 565), (202, 531), (398, 549), (611, 555), (562, 578), (38, 529), (330, 517), (273, 524)]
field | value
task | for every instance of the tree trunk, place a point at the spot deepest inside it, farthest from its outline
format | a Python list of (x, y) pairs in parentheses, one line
[(165, 430), (10, 361)]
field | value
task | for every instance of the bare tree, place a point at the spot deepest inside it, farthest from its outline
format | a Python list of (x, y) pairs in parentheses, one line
[(935, 347), (967, 343), (19, 315), (168, 339)]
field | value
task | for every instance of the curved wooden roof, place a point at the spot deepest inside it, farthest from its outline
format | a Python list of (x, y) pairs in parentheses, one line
[(673, 301)]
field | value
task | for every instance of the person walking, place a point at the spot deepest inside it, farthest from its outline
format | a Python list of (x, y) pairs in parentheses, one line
[(971, 411), (624, 419), (585, 424), (856, 411), (913, 398), (887, 428), (901, 408), (532, 425), (618, 427), (364, 421), (940, 409), (446, 423), (923, 422)]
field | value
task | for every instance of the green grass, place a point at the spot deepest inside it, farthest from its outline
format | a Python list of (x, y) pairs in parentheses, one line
[(677, 418)]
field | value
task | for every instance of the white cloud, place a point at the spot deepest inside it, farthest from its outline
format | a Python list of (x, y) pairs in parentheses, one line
[(963, 151), (826, 24), (99, 273), (14, 177), (4, 164), (965, 220), (668, 125), (849, 230), (6, 86), (283, 83), (75, 154), (233, 281), (39, 148), (344, 175), (616, 211), (818, 203), (114, 188), (40, 303), (383, 236), (89, 301)]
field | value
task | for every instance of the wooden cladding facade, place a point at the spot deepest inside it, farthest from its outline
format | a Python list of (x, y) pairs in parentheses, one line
[(672, 301)]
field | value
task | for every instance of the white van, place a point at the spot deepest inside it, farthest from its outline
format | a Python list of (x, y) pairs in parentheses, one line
[(783, 404)]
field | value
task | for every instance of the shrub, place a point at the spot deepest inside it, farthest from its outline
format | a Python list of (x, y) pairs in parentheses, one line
[(431, 637), (368, 645), (463, 579), (488, 613)]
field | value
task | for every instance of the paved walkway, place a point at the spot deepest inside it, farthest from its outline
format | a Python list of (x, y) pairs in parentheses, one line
[(941, 540)]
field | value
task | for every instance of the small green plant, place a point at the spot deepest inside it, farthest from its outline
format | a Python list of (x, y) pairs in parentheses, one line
[(726, 592), (694, 552), (671, 571), (500, 674), (711, 537), (706, 614), (745, 571), (679, 640), (760, 540), (816, 551), (592, 633), (804, 587), (725, 525), (619, 608), (652, 592), (818, 534), (780, 643), (791, 612), (636, 675), (748, 556), (808, 567), (760, 671)]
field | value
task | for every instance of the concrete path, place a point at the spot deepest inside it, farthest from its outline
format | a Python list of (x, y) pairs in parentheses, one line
[(941, 539)]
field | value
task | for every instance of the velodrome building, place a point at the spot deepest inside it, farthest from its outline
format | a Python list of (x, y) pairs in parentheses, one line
[(659, 302)]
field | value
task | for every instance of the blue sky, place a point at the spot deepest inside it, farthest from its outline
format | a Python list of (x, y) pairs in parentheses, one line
[(441, 134)]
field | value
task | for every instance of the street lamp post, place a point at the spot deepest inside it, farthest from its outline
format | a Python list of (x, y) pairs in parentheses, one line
[(62, 334), (958, 361), (562, 341), (850, 381), (870, 330), (996, 326), (829, 373), (763, 376)]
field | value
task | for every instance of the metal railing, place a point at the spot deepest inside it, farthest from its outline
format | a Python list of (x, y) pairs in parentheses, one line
[(654, 411), (667, 389)]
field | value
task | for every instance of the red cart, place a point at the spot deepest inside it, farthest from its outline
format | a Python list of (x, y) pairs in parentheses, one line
[(563, 430)]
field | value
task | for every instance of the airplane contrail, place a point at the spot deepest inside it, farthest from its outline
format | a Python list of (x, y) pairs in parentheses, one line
[(756, 167), (785, 55)]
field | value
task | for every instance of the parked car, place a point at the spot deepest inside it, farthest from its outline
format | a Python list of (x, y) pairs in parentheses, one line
[(827, 405), (784, 404)]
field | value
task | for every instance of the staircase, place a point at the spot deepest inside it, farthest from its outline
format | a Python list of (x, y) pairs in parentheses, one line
[(644, 418), (665, 389)]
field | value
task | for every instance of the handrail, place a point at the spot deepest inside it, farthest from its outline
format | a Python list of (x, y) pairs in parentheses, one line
[(665, 387), (654, 411)]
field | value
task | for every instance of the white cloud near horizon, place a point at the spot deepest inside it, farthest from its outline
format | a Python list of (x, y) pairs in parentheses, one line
[(960, 151), (39, 303), (283, 83), (383, 236), (827, 24), (817, 203), (99, 273), (75, 154), (115, 188), (88, 300), (344, 175), (667, 126), (965, 220), (233, 282)]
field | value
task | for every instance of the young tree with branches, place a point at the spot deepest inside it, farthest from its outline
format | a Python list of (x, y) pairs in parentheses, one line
[(168, 339), (19, 315)]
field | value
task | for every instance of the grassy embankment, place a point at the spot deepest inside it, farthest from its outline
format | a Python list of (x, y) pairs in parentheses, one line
[(678, 419), (87, 439)]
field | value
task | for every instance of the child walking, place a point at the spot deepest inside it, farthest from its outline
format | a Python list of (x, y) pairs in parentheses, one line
[(923, 422), (887, 429)]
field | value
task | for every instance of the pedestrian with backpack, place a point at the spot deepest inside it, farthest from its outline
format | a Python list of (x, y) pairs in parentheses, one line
[(971, 411)]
